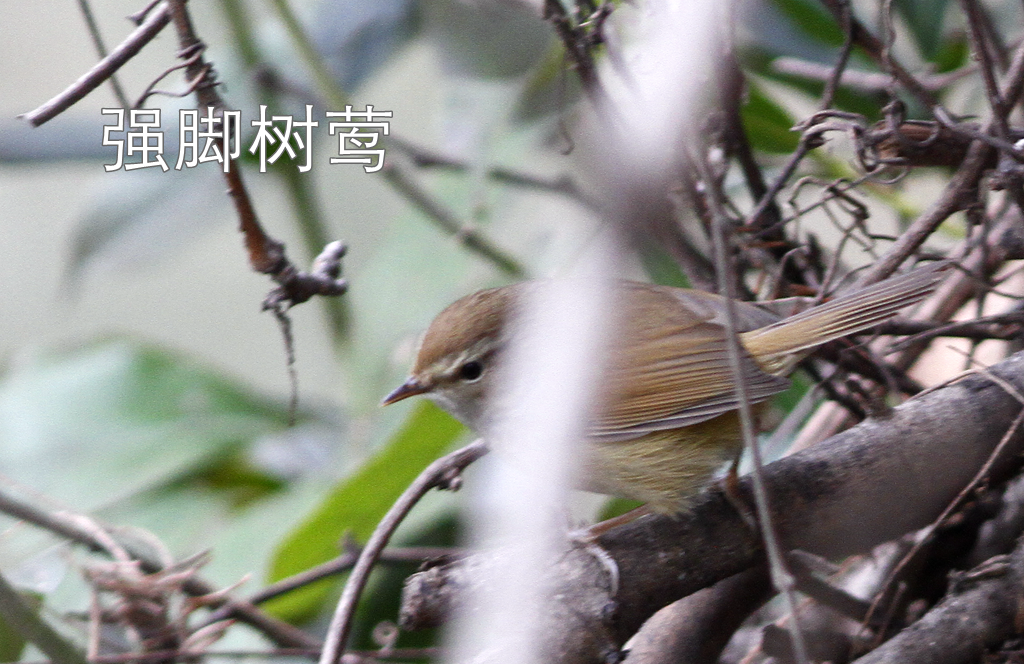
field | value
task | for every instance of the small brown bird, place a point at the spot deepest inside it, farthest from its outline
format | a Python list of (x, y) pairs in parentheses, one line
[(666, 415)]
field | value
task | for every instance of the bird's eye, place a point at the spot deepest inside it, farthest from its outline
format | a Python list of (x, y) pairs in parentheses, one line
[(471, 371)]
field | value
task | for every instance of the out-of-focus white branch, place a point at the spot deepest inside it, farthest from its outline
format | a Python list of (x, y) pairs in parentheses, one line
[(670, 56), (552, 367), (519, 508)]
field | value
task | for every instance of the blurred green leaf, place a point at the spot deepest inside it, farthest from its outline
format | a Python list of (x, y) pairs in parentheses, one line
[(953, 54), (358, 504), (234, 477), (925, 19), (799, 383), (11, 642), (124, 416), (549, 88), (140, 217), (812, 19), (617, 507), (768, 126), (661, 267)]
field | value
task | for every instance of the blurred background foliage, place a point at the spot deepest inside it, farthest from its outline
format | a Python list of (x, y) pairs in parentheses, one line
[(142, 385)]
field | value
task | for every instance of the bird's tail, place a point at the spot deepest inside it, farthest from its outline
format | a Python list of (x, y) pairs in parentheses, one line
[(778, 346)]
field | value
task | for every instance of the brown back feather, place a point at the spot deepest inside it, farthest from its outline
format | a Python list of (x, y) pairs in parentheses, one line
[(686, 377)]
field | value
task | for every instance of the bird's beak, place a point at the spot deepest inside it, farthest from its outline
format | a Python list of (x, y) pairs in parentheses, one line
[(411, 387)]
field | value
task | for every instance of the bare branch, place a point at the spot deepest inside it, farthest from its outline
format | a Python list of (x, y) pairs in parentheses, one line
[(104, 69), (467, 236), (72, 527)]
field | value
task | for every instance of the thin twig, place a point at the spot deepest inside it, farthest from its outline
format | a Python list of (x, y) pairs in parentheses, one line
[(447, 220), (442, 473), (578, 46), (976, 20), (151, 88), (978, 328), (284, 322), (345, 562), (968, 130), (867, 81), (781, 578), (334, 567), (767, 200), (952, 198), (266, 254), (425, 158), (325, 81), (101, 49), (329, 87), (876, 50), (138, 17), (832, 84), (369, 656), (988, 73), (104, 69), (732, 99), (823, 592), (753, 219)]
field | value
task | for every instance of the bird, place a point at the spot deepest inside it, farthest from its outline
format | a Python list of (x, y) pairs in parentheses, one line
[(665, 419)]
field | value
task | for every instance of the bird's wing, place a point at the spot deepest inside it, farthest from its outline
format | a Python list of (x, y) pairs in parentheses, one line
[(686, 376)]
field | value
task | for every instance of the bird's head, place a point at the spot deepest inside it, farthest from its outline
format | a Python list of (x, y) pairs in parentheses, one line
[(456, 361)]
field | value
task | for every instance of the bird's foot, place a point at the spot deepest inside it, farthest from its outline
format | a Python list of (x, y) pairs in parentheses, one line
[(731, 488), (587, 538)]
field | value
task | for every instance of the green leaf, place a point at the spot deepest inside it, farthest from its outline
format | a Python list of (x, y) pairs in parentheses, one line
[(11, 642), (126, 417), (661, 267), (768, 126), (814, 21), (617, 507), (799, 383), (953, 54), (925, 19), (358, 504)]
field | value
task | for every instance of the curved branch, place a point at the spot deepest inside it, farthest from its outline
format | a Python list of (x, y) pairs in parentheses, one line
[(441, 473)]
